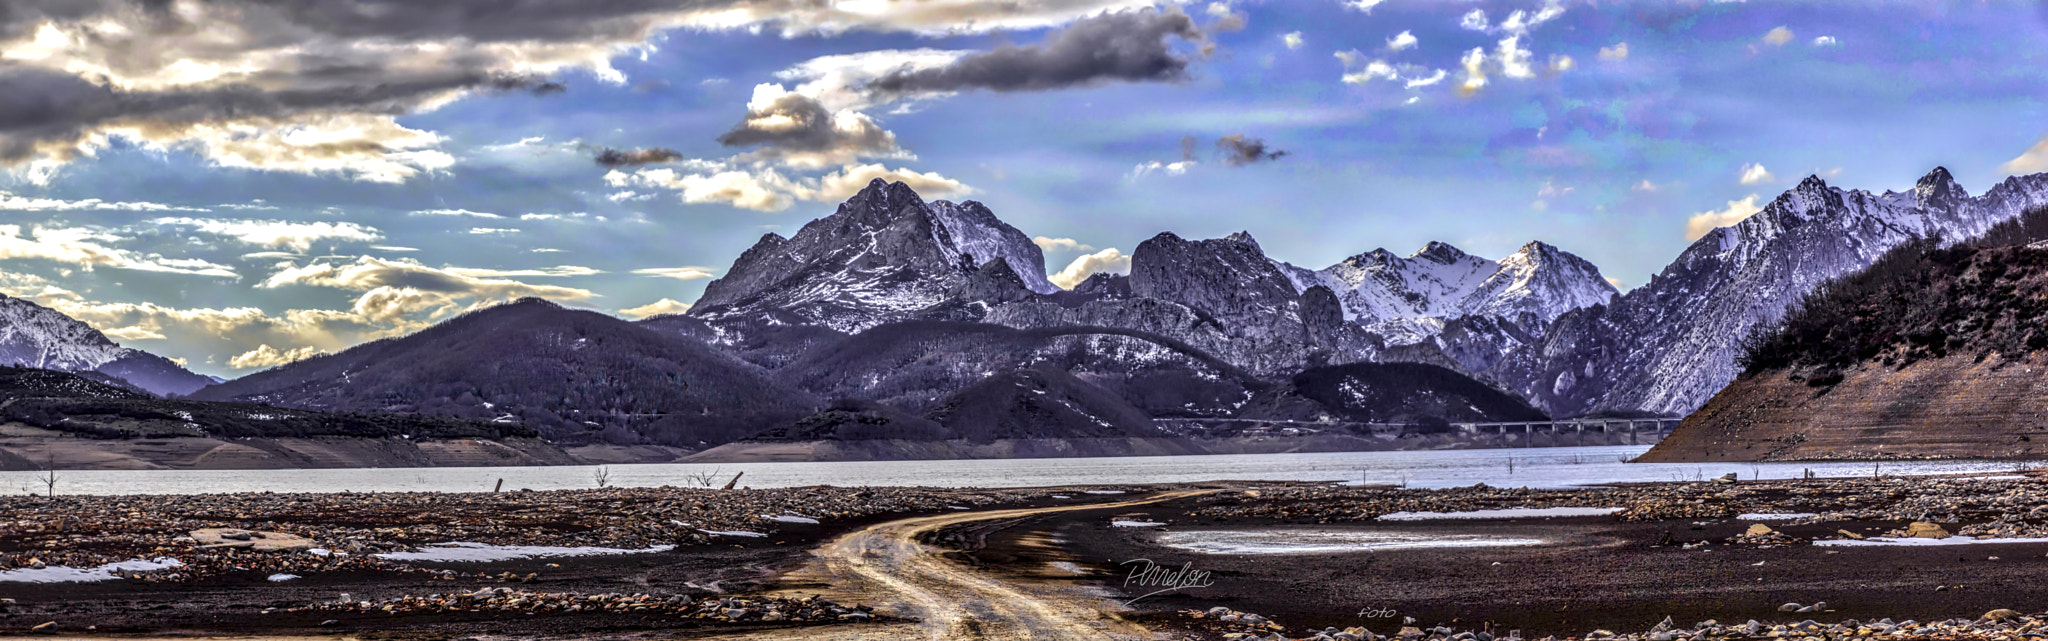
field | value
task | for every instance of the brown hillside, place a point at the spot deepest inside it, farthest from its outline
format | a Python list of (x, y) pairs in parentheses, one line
[(1952, 407)]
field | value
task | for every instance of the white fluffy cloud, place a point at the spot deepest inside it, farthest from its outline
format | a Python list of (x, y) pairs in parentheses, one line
[(656, 308), (394, 291), (298, 236), (767, 189), (2035, 160), (1169, 168), (11, 202), (1778, 37), (1108, 260), (1292, 40), (1617, 52), (265, 356), (87, 249), (1061, 244), (679, 273), (1755, 174), (1737, 210), (1402, 41)]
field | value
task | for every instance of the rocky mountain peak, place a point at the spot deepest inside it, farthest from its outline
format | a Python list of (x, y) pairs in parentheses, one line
[(1440, 253), (884, 255), (1939, 190)]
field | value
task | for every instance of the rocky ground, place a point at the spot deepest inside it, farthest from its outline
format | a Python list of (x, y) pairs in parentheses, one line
[(1692, 552)]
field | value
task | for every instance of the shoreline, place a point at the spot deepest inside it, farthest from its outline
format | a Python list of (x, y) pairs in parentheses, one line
[(1674, 549)]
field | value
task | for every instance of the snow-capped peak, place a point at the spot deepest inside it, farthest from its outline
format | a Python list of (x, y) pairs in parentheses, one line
[(1442, 282)]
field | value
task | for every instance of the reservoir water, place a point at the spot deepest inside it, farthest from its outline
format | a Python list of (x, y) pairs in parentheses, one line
[(1541, 468)]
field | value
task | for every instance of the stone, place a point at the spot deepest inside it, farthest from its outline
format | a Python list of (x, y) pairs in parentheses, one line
[(46, 628), (1410, 632), (1999, 615), (1790, 607), (1728, 478), (1759, 529), (1925, 530), (1849, 534)]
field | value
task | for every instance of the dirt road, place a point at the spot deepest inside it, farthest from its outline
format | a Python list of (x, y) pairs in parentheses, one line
[(886, 566)]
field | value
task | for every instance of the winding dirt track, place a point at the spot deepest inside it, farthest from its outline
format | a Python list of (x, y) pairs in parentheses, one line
[(885, 565)]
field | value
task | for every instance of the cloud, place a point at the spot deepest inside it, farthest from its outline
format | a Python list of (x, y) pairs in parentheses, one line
[(1434, 78), (11, 202), (1617, 52), (1171, 168), (1737, 210), (656, 308), (1474, 62), (561, 271), (1755, 174), (232, 330), (485, 231), (1513, 59), (1129, 46), (1645, 186), (86, 248), (318, 87), (1475, 20), (1060, 244), (1403, 40), (1778, 37), (1292, 40), (454, 212), (1226, 20), (1826, 41), (766, 189), (298, 236), (1363, 5), (609, 157), (679, 273), (394, 248), (396, 291), (1616, 282), (1108, 260), (1238, 151), (2035, 160), (799, 130), (265, 356)]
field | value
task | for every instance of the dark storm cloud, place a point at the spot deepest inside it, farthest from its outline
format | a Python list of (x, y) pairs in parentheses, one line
[(1238, 151), (610, 157), (1132, 46), (796, 123)]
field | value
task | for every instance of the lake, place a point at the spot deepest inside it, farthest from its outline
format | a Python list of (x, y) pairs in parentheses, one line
[(1543, 467)]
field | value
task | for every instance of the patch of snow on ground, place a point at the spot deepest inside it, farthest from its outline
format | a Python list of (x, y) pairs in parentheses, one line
[(1103, 492), (1762, 516), (1953, 540), (739, 533), (791, 518), (463, 552), (1507, 513), (62, 574), (1291, 541), (1124, 523), (281, 577)]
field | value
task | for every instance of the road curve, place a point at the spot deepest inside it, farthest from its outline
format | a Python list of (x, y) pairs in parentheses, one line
[(884, 565)]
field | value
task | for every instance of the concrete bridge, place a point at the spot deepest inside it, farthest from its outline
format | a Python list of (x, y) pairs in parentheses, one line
[(1632, 427)]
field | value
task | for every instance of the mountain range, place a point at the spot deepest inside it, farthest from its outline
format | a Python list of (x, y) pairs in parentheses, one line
[(937, 320)]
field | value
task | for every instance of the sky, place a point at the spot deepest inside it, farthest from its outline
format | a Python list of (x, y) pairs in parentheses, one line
[(240, 183)]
